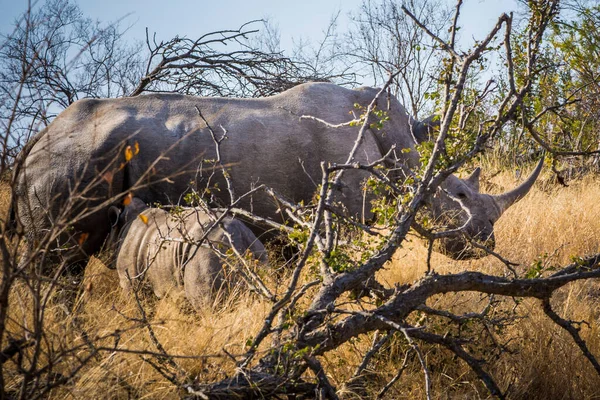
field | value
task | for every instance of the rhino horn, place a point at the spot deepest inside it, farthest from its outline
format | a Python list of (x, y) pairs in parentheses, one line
[(473, 179), (505, 200)]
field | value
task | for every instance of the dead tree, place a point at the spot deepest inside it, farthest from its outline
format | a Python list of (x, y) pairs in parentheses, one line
[(383, 40), (222, 63)]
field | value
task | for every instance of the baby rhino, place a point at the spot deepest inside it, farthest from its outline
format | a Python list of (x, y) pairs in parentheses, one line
[(166, 250)]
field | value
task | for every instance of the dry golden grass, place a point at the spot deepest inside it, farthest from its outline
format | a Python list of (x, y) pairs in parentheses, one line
[(178, 329), (553, 223), (4, 197), (100, 308), (556, 221)]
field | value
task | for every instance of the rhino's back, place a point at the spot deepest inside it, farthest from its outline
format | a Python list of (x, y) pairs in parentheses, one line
[(266, 137), (267, 142)]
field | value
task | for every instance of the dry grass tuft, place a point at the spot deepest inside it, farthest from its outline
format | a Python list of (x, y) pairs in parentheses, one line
[(99, 308)]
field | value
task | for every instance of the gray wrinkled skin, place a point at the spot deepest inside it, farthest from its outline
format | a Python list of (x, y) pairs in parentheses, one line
[(267, 143), (164, 251)]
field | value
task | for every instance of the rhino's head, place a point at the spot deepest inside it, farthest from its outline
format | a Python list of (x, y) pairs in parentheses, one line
[(458, 203)]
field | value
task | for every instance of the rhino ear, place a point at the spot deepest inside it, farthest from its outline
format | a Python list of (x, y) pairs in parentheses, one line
[(113, 215), (473, 180)]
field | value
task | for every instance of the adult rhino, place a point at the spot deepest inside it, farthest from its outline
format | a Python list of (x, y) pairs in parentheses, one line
[(180, 251), (267, 142)]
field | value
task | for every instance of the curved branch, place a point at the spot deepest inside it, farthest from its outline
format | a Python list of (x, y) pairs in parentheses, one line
[(407, 301)]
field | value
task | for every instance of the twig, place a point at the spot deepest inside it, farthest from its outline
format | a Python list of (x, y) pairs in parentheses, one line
[(266, 328), (396, 377), (421, 358), (573, 331), (407, 331), (164, 358), (509, 264), (445, 46), (375, 347), (170, 377), (219, 160), (287, 311), (475, 364), (249, 275), (454, 317)]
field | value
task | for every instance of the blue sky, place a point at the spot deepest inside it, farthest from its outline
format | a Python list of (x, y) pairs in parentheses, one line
[(305, 19)]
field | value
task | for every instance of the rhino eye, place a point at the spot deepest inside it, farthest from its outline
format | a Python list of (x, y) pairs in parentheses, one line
[(462, 195)]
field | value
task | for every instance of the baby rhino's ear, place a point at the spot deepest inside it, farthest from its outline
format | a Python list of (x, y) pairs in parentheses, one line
[(134, 207), (114, 213), (473, 180)]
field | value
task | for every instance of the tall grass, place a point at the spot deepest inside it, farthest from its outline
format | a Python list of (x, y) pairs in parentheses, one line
[(552, 224)]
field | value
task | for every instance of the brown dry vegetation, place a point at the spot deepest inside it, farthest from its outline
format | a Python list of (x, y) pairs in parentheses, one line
[(552, 222)]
